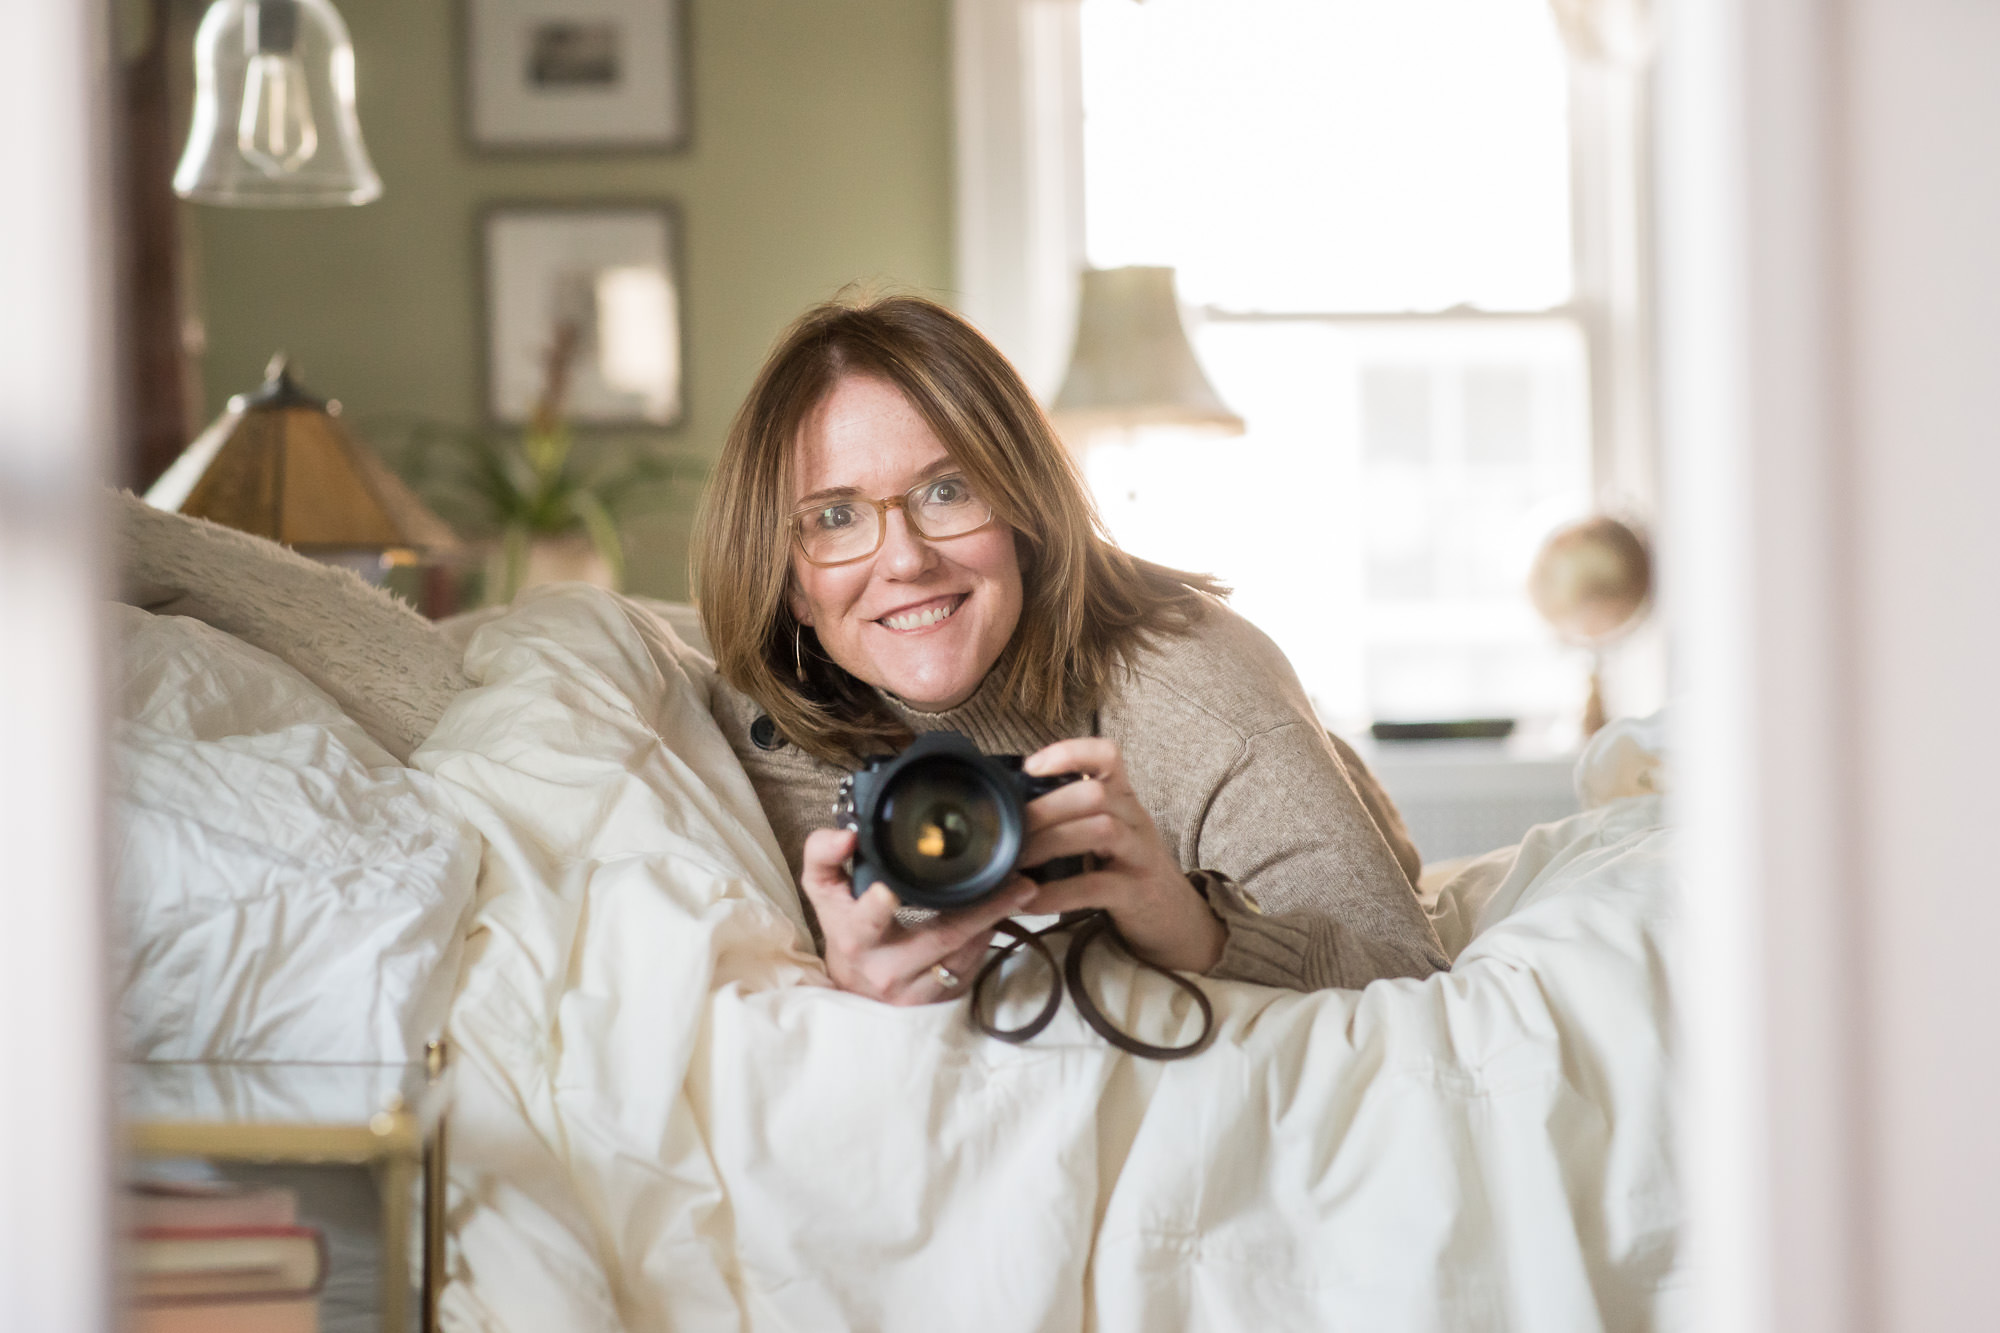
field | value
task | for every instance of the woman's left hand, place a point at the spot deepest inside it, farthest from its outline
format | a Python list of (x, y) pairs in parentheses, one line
[(1137, 880)]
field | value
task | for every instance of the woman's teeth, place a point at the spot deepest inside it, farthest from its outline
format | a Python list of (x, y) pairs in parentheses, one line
[(919, 619)]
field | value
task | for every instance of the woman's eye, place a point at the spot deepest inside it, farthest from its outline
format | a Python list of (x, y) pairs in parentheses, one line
[(834, 517), (949, 491)]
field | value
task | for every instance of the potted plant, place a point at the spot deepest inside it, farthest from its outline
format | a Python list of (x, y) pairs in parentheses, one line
[(547, 514)]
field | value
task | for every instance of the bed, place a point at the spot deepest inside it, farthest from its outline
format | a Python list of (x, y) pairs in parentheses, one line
[(524, 831)]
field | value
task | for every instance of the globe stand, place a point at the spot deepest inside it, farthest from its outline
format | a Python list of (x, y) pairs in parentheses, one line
[(1590, 581)]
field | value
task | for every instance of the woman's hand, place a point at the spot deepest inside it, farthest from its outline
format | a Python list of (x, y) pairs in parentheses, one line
[(868, 953), (1137, 878)]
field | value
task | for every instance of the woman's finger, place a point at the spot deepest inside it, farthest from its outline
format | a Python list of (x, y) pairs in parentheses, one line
[(873, 915), (963, 966), (905, 970), (823, 865), (1094, 756), (1169, 923), (1093, 888), (955, 931), (849, 924), (1072, 801), (1103, 835)]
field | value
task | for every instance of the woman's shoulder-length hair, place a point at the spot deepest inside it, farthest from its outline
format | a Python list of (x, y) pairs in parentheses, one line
[(1086, 605)]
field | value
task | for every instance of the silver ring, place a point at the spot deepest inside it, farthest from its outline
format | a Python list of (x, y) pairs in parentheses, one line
[(945, 976)]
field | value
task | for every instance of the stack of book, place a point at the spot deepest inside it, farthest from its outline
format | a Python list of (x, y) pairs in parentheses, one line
[(222, 1258)]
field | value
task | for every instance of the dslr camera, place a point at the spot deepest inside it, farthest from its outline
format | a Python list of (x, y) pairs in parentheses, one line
[(942, 824)]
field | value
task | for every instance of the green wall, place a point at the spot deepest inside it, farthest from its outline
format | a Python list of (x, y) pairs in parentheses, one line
[(820, 156)]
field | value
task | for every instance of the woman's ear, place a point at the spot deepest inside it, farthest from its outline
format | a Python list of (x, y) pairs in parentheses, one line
[(796, 599)]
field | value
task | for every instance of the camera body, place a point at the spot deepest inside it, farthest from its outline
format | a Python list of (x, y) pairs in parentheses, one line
[(942, 824)]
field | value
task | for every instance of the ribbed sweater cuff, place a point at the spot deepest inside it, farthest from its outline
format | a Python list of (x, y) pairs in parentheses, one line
[(1255, 947)]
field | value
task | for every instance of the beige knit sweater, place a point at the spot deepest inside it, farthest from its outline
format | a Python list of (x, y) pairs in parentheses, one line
[(1308, 865)]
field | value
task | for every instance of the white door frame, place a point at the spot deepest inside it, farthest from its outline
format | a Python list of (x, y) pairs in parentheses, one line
[(1830, 302), (56, 389)]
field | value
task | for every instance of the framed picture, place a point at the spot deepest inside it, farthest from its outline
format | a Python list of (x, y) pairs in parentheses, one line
[(595, 289), (576, 74)]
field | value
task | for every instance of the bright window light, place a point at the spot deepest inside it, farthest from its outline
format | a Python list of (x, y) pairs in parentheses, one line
[(1330, 155), (1304, 166)]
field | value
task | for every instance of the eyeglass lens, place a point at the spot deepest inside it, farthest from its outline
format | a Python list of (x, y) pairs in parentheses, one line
[(850, 529)]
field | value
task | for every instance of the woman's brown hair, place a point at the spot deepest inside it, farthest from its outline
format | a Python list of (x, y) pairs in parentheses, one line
[(1086, 605)]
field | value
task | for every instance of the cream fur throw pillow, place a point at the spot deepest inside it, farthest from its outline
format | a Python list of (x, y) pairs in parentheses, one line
[(386, 666)]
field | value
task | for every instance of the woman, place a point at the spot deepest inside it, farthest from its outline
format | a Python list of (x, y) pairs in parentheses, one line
[(894, 541)]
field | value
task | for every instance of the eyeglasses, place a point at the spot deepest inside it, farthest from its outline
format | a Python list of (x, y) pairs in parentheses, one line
[(839, 532)]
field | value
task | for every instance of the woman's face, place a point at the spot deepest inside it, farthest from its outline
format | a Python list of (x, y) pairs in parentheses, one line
[(923, 620)]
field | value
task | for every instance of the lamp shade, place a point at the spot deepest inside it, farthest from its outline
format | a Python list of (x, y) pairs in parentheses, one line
[(278, 464), (1132, 365), (274, 123)]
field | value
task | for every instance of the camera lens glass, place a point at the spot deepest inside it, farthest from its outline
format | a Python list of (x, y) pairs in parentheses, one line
[(941, 825)]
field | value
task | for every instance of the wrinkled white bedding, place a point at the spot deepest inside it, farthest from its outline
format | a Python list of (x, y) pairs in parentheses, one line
[(286, 889), (666, 1119)]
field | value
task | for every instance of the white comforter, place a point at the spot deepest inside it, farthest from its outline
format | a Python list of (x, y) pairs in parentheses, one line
[(666, 1119)]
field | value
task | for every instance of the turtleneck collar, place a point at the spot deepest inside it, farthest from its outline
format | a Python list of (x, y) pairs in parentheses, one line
[(993, 725)]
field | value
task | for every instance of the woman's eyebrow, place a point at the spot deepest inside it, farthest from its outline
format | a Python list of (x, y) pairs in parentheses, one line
[(922, 475), (830, 493)]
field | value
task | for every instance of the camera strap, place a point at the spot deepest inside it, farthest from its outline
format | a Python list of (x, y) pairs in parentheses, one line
[(1089, 927)]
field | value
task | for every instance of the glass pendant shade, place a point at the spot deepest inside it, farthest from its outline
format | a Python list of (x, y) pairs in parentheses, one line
[(274, 123)]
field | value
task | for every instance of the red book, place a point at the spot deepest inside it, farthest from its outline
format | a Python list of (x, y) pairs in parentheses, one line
[(153, 1205), (218, 1257)]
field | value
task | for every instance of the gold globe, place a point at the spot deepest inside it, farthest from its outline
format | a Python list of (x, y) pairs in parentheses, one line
[(1591, 581)]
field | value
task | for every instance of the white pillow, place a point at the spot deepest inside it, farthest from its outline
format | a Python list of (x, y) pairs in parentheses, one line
[(1627, 757), (285, 889)]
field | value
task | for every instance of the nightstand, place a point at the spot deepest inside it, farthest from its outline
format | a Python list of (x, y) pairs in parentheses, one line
[(388, 1118)]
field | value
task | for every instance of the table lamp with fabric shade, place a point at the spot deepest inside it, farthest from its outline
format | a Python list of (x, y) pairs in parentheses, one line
[(1132, 364), (278, 464)]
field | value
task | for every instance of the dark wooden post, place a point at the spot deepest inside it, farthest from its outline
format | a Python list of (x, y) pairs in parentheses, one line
[(153, 369)]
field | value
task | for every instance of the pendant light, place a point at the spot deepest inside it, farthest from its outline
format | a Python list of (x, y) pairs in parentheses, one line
[(274, 123)]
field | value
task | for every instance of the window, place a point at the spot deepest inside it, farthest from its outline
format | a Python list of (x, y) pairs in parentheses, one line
[(1368, 206)]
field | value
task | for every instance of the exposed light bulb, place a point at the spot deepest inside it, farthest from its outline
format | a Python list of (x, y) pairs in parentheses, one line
[(276, 132), (274, 123)]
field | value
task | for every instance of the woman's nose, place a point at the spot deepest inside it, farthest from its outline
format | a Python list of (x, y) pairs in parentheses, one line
[(905, 554)]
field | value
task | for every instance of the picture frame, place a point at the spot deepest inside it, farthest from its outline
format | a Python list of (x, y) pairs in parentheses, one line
[(610, 274), (575, 75)]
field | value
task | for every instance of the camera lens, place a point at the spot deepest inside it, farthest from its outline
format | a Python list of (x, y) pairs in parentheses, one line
[(941, 825)]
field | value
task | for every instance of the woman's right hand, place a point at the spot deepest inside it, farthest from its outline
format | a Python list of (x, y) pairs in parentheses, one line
[(869, 953)]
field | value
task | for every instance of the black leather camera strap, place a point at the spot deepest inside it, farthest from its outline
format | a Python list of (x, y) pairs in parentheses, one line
[(1088, 927)]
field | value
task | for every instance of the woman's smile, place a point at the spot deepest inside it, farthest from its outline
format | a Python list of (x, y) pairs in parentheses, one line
[(923, 619), (922, 616)]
